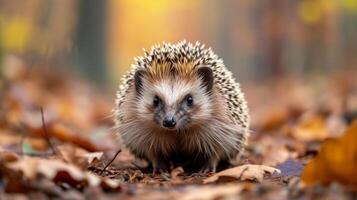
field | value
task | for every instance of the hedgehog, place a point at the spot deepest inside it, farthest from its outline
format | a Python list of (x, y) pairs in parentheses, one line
[(180, 106)]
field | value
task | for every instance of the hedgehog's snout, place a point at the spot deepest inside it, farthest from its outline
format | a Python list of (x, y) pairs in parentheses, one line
[(169, 121)]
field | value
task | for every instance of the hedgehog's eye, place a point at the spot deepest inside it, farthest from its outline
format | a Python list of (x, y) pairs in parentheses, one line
[(189, 100), (156, 101)]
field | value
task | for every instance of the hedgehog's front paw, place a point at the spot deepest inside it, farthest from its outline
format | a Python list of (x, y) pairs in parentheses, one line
[(160, 167), (209, 167)]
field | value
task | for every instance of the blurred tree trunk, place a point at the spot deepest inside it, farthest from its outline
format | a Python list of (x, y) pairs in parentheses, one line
[(273, 15), (90, 39)]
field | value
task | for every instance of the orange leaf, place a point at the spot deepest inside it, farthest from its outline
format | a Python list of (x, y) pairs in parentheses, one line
[(337, 161), (311, 128)]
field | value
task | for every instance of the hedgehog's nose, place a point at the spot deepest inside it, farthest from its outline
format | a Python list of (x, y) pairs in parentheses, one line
[(169, 122)]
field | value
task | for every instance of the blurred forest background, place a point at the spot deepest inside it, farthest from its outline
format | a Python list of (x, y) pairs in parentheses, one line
[(256, 39), (296, 61)]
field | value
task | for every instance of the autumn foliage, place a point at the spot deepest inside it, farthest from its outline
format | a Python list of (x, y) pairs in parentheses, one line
[(302, 143), (337, 161)]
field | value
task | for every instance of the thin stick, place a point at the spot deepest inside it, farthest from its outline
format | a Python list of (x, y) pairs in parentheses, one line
[(106, 166), (48, 138)]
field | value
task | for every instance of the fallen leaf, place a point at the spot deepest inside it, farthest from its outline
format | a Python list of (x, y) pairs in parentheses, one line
[(277, 155), (111, 185), (66, 134), (68, 153), (176, 175), (336, 161), (33, 168), (274, 150), (14, 182), (91, 157), (77, 155), (9, 139), (209, 192), (8, 156), (311, 128), (244, 172), (275, 118)]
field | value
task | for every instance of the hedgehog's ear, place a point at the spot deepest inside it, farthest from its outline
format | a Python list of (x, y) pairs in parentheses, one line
[(138, 76), (207, 76)]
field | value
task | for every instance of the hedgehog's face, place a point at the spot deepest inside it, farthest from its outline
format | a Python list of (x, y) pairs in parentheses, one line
[(175, 103)]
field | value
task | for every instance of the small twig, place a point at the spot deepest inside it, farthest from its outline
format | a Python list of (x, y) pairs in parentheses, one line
[(48, 138), (106, 166)]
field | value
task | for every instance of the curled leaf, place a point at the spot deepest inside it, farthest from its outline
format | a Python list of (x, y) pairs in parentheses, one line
[(244, 172)]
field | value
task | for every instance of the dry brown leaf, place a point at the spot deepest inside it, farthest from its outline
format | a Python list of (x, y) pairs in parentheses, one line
[(72, 154), (275, 118), (8, 156), (244, 172), (60, 131), (277, 155), (336, 161), (209, 192), (33, 167), (176, 175), (60, 172), (91, 157), (311, 128), (9, 138), (273, 150), (68, 135), (77, 155)]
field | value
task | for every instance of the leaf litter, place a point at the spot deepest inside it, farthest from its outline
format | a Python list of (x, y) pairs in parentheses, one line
[(306, 134)]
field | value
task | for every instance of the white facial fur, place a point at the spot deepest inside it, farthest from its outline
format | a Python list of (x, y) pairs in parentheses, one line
[(172, 93)]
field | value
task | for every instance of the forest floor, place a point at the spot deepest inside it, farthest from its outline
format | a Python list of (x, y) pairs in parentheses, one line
[(56, 137)]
